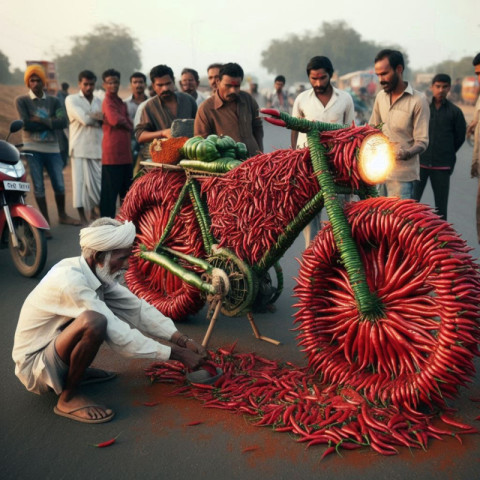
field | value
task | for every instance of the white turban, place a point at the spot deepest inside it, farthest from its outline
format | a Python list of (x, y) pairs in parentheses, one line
[(105, 238)]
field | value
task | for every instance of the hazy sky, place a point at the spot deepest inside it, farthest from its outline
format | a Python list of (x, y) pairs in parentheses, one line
[(195, 33)]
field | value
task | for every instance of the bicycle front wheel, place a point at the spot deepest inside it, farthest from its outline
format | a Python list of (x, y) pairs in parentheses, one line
[(420, 348)]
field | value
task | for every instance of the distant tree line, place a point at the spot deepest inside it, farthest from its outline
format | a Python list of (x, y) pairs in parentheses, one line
[(337, 41), (106, 46), (347, 51), (455, 68), (6, 76), (114, 46)]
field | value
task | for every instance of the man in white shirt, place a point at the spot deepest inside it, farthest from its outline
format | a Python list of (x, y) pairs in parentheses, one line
[(84, 111), (77, 306), (322, 103)]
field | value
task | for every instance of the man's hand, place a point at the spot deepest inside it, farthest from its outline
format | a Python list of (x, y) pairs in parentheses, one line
[(36, 118), (474, 170), (97, 116), (403, 154), (187, 356), (167, 133), (197, 348), (471, 129)]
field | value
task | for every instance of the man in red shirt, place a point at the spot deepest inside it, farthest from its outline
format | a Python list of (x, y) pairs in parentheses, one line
[(117, 167)]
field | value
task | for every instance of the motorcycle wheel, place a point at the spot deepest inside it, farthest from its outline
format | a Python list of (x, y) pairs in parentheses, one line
[(421, 344), (30, 256), (148, 204)]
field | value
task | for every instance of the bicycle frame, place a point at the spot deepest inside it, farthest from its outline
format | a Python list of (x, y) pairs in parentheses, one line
[(367, 302)]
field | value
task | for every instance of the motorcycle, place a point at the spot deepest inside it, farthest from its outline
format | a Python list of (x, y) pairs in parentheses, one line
[(22, 227)]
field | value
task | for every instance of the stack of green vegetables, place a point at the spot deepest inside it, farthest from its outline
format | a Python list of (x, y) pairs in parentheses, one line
[(216, 153)]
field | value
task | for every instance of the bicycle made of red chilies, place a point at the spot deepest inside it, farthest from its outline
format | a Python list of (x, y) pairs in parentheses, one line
[(387, 291)]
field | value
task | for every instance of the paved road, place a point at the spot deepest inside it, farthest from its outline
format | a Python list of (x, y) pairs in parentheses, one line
[(155, 442)]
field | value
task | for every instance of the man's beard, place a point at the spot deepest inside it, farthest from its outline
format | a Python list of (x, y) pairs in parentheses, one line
[(167, 95), (322, 90), (103, 272), (392, 85)]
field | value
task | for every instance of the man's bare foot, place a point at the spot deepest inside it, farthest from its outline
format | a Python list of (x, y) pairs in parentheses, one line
[(67, 220), (82, 409)]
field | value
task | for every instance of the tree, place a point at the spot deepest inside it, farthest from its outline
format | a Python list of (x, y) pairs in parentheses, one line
[(455, 68), (107, 46), (337, 41), (5, 75)]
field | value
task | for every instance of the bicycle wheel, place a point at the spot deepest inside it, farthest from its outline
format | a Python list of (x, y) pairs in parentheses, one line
[(148, 204), (421, 347), (31, 254)]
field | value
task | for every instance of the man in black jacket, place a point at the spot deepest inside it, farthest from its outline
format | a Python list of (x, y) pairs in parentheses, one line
[(447, 130)]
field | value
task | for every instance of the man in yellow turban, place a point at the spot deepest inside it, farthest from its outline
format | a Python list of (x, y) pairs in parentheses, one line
[(79, 305), (42, 117)]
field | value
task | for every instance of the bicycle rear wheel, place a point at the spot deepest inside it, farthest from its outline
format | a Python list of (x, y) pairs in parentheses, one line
[(149, 204)]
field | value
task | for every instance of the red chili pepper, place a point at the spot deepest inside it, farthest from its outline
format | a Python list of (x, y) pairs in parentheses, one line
[(192, 424), (106, 443), (250, 449), (150, 404)]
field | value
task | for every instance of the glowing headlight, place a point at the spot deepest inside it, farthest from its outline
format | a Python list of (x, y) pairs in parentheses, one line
[(376, 158)]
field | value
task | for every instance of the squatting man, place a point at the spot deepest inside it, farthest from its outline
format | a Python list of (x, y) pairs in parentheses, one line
[(80, 304)]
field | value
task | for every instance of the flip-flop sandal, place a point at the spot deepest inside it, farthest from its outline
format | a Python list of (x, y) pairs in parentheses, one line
[(81, 419), (106, 378)]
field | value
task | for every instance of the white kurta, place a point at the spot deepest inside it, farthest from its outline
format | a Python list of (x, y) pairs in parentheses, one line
[(69, 289), (85, 147)]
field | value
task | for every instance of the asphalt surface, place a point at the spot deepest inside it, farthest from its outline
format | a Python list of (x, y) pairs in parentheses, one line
[(155, 442)]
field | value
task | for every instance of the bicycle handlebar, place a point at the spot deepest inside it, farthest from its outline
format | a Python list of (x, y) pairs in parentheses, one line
[(282, 119)]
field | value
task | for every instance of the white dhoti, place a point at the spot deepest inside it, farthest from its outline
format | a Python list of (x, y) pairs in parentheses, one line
[(86, 182)]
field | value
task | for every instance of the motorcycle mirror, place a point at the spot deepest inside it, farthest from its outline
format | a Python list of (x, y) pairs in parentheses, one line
[(16, 125)]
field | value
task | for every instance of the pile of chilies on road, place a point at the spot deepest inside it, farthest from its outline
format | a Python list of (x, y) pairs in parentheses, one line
[(381, 383)]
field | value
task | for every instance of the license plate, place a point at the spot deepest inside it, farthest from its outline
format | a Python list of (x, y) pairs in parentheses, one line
[(18, 186)]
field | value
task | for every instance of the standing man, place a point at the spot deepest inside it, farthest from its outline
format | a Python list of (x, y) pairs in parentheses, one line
[(42, 117), (213, 73), (85, 114), (167, 105), (404, 114), (138, 84), (278, 98), (446, 134), (322, 103), (63, 135), (474, 129), (117, 169), (231, 112), (189, 83)]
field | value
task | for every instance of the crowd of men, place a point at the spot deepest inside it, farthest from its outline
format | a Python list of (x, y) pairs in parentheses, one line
[(80, 304)]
